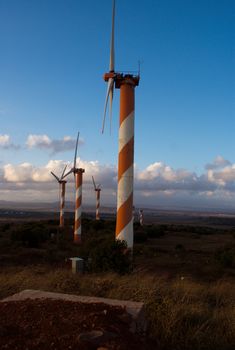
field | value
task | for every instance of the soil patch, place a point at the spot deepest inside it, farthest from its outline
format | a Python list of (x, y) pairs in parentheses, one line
[(57, 324)]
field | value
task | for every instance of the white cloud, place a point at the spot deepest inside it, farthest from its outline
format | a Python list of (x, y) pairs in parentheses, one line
[(4, 140), (6, 143), (38, 141), (26, 172), (218, 162), (224, 177), (20, 173), (54, 146), (159, 170), (161, 177)]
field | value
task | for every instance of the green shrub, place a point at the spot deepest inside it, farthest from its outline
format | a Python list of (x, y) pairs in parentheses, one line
[(5, 227), (110, 256), (30, 234), (180, 248), (97, 225), (140, 236), (146, 251), (204, 230), (226, 256), (154, 231)]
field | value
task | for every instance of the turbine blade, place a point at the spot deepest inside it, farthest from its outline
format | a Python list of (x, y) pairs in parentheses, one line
[(109, 90), (111, 105), (75, 154), (63, 172), (94, 182), (55, 176), (111, 63), (69, 172)]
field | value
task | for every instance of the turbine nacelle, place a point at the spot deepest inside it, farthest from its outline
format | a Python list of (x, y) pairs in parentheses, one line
[(110, 75), (98, 187), (78, 170), (60, 180)]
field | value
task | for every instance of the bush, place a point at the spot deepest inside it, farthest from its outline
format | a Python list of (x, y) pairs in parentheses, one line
[(30, 234), (153, 231), (145, 251), (140, 236), (97, 225), (180, 248), (226, 256), (5, 227), (110, 256)]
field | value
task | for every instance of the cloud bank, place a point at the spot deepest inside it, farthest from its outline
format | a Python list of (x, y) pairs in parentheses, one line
[(158, 184), (44, 142)]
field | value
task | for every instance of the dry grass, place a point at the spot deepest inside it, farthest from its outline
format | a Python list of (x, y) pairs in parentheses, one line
[(182, 313)]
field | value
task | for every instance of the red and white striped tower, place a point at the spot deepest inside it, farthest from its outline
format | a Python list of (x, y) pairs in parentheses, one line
[(97, 212), (78, 173), (62, 201), (126, 83), (124, 223)]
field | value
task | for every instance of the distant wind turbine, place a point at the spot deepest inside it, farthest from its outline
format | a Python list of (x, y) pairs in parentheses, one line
[(97, 189), (78, 175), (62, 184), (141, 217)]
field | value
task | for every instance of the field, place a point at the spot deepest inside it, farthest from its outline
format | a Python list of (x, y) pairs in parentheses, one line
[(183, 270)]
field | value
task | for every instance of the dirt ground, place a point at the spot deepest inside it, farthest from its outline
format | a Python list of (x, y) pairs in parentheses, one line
[(56, 325)]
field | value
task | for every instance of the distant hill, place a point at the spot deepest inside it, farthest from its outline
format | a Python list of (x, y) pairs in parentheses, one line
[(45, 206), (54, 206)]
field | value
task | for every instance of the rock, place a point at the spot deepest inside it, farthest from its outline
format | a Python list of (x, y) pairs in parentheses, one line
[(93, 337), (125, 318), (96, 337)]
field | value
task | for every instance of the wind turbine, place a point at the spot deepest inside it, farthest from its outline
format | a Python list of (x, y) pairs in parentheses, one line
[(62, 184), (141, 217), (97, 189), (78, 174), (126, 83)]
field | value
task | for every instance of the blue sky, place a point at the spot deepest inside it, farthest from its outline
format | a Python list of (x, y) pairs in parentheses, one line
[(54, 54)]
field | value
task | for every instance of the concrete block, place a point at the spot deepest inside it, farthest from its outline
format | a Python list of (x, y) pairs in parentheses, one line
[(136, 310), (77, 265)]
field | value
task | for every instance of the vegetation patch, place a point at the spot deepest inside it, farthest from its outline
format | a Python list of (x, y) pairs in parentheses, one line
[(226, 256)]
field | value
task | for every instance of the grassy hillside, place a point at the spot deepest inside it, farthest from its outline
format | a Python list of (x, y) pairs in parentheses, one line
[(185, 275)]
